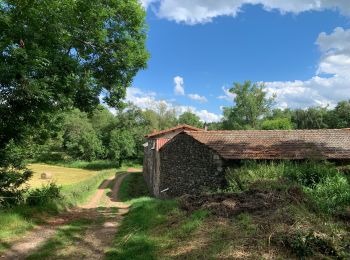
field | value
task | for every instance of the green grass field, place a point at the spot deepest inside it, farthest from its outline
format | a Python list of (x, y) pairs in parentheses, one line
[(60, 175)]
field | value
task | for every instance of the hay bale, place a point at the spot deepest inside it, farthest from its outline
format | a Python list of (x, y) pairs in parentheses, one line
[(46, 176)]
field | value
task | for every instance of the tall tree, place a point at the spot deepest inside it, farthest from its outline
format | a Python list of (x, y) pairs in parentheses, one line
[(190, 118), (58, 54), (161, 116), (340, 116), (311, 118), (63, 54), (251, 104), (79, 137)]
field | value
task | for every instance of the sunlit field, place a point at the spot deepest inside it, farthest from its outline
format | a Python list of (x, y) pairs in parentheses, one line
[(60, 175)]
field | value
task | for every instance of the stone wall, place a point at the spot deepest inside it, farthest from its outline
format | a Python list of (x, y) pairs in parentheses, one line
[(189, 167), (151, 167), (151, 162)]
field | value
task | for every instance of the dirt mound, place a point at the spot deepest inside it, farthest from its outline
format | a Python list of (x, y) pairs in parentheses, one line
[(254, 201)]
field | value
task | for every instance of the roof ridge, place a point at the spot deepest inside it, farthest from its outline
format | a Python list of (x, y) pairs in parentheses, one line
[(261, 130), (182, 126)]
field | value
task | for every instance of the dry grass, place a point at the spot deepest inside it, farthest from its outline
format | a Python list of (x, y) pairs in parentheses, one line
[(60, 175)]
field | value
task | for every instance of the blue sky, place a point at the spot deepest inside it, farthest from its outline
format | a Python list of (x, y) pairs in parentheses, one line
[(299, 49)]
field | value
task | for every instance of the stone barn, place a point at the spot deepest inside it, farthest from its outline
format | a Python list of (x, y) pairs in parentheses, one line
[(194, 161), (151, 161)]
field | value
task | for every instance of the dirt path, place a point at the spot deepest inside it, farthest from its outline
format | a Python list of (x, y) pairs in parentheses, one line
[(95, 238)]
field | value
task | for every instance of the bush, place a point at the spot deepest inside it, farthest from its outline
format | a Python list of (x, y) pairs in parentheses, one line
[(327, 189), (277, 124), (44, 195), (240, 178), (332, 195), (13, 174), (310, 173)]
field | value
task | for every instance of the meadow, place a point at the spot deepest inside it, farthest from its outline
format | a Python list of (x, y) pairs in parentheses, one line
[(59, 175)]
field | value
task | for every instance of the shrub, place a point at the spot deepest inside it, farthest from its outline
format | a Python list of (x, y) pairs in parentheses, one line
[(277, 124), (332, 195), (44, 195), (240, 178), (13, 174), (310, 173)]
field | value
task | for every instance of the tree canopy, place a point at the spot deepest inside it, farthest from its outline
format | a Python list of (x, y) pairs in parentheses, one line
[(251, 104), (191, 119), (59, 54)]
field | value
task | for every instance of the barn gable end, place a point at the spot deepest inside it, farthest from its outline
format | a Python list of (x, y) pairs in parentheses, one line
[(187, 166)]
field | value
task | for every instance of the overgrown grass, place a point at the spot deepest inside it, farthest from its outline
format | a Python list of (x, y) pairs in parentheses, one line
[(138, 236), (159, 229), (16, 221), (132, 187), (327, 188)]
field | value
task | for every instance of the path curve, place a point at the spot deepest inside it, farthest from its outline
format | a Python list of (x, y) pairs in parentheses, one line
[(97, 236)]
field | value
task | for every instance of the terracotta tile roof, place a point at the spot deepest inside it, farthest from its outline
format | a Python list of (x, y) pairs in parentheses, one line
[(179, 127), (277, 144)]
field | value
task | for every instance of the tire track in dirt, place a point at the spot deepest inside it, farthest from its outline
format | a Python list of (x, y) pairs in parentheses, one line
[(96, 239)]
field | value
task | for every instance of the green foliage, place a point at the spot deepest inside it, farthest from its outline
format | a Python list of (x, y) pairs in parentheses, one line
[(251, 103), (161, 117), (312, 118), (191, 119), (332, 194), (43, 195), (241, 177), (13, 175), (277, 124), (327, 189), (121, 145), (86, 48), (79, 138), (340, 116), (310, 173)]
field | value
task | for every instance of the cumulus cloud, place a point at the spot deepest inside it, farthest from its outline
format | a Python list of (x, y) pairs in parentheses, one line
[(179, 88), (198, 98), (202, 11), (331, 82), (228, 96), (148, 100)]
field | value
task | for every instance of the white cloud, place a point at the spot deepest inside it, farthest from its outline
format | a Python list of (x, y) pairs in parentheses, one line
[(198, 98), (146, 100), (321, 90), (140, 98), (179, 88), (208, 117), (202, 11), (146, 3), (228, 96)]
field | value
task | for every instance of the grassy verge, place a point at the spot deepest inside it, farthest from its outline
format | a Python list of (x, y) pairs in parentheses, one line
[(16, 221), (133, 187), (161, 229)]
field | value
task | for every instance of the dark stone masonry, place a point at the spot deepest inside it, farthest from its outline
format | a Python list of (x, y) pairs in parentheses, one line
[(189, 167)]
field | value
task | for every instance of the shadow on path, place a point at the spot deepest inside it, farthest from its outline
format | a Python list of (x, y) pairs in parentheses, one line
[(88, 229)]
